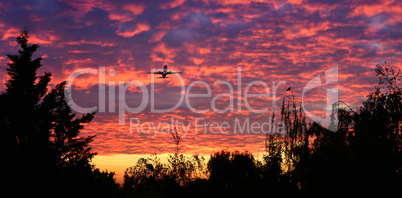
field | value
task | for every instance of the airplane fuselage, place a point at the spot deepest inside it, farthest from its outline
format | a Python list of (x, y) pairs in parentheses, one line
[(165, 72)]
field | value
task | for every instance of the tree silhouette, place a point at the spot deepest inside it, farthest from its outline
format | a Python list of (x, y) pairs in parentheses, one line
[(364, 154), (149, 177), (233, 174), (23, 142), (377, 141), (71, 150), (39, 133)]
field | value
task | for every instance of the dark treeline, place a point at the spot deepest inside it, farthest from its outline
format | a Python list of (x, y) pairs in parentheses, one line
[(42, 152)]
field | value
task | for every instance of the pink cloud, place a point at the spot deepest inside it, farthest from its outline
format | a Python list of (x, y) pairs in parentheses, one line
[(140, 27), (136, 9), (11, 32), (73, 61), (121, 17), (163, 53), (171, 4), (157, 37)]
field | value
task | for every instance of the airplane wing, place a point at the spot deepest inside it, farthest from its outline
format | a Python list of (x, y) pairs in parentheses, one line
[(174, 72), (159, 72)]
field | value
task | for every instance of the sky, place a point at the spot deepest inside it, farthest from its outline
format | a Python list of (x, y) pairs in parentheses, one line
[(238, 56)]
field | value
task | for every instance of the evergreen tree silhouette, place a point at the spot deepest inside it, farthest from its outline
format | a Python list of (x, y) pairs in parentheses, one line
[(23, 143), (39, 134), (70, 149)]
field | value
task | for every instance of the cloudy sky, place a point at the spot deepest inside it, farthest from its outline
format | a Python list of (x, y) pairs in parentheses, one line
[(216, 42)]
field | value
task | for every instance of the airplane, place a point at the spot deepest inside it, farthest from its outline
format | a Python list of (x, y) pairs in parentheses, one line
[(164, 73)]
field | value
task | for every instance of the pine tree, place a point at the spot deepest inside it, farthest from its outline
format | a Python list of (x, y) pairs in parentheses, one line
[(39, 134), (23, 143), (71, 150)]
